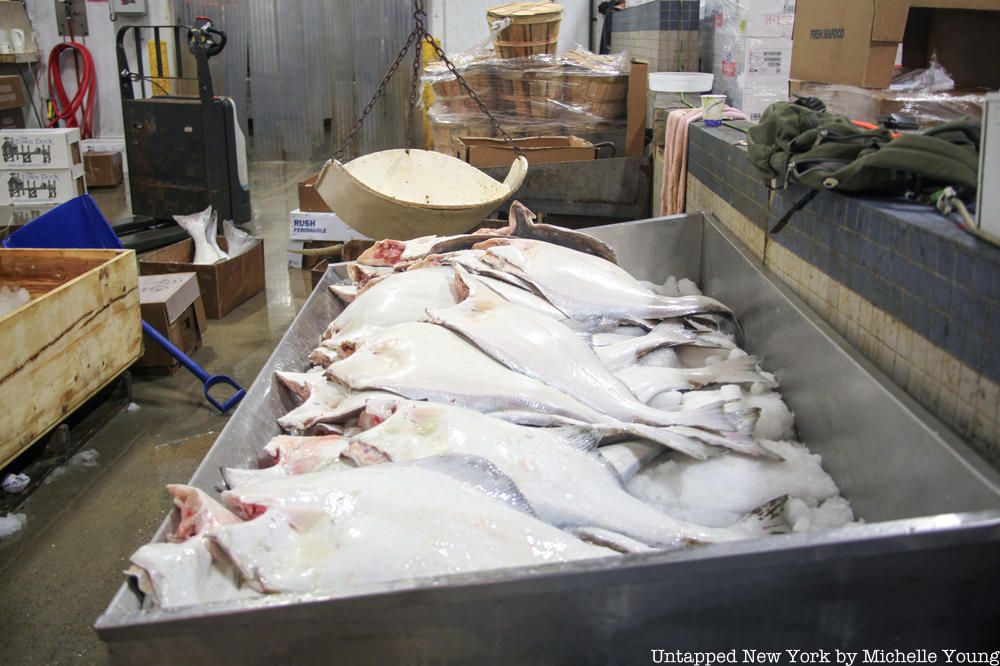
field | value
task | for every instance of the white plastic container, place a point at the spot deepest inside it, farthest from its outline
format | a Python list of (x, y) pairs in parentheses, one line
[(680, 82)]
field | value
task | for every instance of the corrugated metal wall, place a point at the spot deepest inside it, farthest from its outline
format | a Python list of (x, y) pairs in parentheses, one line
[(304, 70)]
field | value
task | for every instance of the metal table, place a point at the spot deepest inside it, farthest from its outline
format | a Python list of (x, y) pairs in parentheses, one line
[(920, 573)]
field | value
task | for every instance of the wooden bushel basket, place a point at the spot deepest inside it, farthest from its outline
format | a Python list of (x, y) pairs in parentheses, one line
[(534, 28)]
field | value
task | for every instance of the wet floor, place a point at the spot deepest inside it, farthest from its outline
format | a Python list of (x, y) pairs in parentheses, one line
[(59, 572)]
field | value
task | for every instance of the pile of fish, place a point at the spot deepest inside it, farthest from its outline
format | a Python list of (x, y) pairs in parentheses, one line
[(503, 398)]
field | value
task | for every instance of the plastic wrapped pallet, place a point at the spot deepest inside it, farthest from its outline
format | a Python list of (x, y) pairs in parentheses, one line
[(749, 46), (578, 93)]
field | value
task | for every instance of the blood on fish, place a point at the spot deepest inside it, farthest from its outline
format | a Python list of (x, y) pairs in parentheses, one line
[(368, 420), (389, 251)]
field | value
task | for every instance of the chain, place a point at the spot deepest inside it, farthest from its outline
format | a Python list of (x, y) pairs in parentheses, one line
[(470, 91), (339, 154), (416, 37), (421, 30)]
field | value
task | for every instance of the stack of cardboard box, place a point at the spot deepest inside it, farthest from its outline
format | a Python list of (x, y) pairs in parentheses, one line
[(40, 166), (749, 43), (847, 53), (313, 225)]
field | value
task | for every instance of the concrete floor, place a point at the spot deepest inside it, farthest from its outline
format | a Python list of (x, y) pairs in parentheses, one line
[(59, 573)]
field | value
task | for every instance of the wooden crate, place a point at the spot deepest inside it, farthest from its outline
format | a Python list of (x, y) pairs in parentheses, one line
[(80, 331)]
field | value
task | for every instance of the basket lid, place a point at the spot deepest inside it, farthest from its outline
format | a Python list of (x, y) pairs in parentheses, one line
[(525, 10)]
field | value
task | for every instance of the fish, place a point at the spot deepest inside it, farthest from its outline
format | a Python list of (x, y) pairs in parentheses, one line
[(319, 395), (523, 340), (345, 292), (391, 252), (623, 353), (360, 274), (397, 298), (182, 571), (202, 226), (340, 530), (561, 479), (171, 575), (423, 361), (627, 458), (584, 286), (467, 283), (198, 512), (289, 455), (645, 382), (520, 223)]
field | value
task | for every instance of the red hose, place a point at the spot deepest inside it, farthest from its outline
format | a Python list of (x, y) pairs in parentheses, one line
[(82, 104)]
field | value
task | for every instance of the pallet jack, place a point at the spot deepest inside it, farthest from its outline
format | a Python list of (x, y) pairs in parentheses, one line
[(184, 152)]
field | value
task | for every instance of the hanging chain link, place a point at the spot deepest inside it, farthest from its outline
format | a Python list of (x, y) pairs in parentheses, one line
[(415, 39), (339, 153)]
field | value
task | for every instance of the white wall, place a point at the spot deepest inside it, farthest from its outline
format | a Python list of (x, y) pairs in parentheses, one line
[(101, 44), (461, 24)]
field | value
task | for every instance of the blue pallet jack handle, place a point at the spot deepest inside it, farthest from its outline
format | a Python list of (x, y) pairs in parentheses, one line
[(207, 380)]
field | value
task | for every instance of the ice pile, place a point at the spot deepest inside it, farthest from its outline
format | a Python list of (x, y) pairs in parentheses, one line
[(11, 298)]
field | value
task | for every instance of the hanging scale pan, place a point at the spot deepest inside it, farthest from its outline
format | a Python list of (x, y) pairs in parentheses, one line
[(404, 194)]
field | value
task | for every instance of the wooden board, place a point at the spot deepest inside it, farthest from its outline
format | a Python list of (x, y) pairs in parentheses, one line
[(81, 330)]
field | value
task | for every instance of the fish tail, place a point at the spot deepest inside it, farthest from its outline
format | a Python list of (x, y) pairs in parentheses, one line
[(742, 370), (768, 518), (676, 439), (709, 417), (737, 442)]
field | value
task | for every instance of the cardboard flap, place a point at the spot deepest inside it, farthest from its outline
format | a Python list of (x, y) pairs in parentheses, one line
[(890, 20), (175, 292), (890, 15)]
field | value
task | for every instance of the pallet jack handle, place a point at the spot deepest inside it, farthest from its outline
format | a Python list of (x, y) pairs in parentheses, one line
[(207, 380)]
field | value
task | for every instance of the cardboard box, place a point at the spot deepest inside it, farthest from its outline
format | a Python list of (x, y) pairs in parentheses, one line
[(106, 145), (854, 42), (24, 187), (309, 199), (171, 304), (635, 124), (11, 119), (224, 285), (11, 92), (489, 152), (40, 148), (312, 226), (103, 169)]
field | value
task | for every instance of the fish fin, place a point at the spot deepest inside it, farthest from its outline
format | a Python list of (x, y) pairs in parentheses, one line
[(768, 518), (520, 220), (627, 458), (581, 438), (363, 454), (710, 416), (744, 419), (344, 292), (741, 370), (727, 441), (616, 541), (481, 474), (670, 437), (465, 285)]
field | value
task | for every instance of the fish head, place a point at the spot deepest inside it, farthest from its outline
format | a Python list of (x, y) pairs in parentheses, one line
[(383, 253)]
